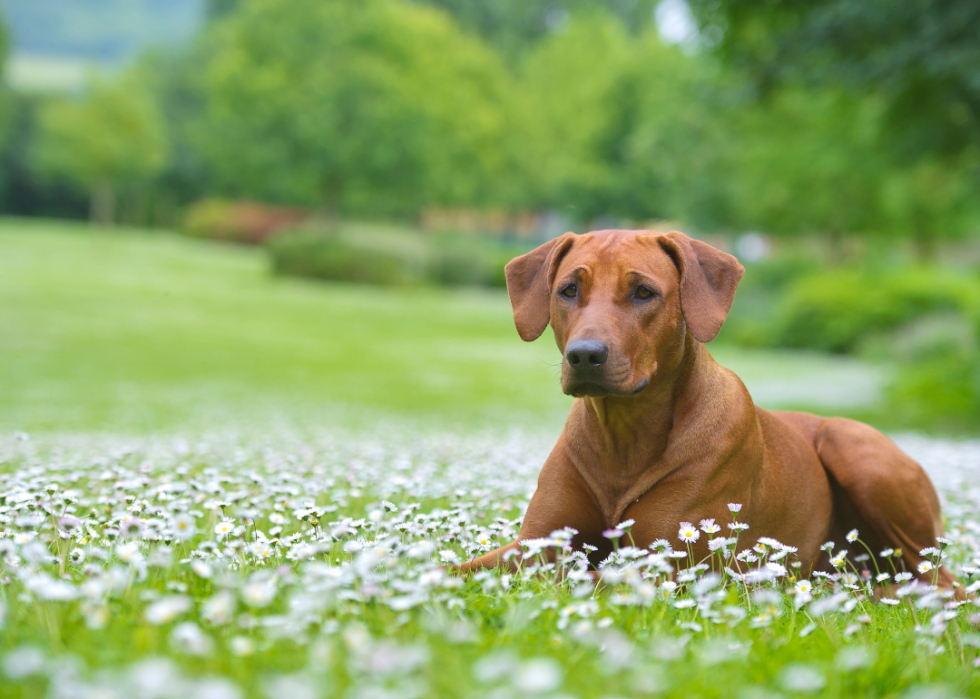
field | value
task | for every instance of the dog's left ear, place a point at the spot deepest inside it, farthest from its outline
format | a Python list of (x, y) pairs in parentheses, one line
[(529, 280), (709, 278)]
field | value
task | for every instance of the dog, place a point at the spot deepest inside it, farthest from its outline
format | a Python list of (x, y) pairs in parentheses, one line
[(659, 433)]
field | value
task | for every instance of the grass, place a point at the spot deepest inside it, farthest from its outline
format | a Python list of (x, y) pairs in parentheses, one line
[(167, 531), (125, 331), (129, 331)]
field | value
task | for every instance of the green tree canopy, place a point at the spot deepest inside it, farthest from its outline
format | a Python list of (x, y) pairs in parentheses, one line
[(919, 57), (618, 124), (110, 135), (379, 106), (515, 26)]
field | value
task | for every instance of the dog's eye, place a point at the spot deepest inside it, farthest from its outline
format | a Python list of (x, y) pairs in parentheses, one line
[(644, 292), (570, 291)]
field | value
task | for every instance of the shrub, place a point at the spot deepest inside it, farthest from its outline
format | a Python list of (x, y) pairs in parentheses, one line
[(835, 311), (472, 261), (314, 254), (388, 255), (239, 221), (941, 391)]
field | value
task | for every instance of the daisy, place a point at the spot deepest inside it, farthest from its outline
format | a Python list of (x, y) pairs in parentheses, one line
[(734, 507), (688, 533), (184, 526), (852, 536), (708, 526), (925, 567), (804, 586)]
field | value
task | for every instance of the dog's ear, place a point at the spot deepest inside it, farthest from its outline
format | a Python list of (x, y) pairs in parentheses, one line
[(529, 280), (708, 281)]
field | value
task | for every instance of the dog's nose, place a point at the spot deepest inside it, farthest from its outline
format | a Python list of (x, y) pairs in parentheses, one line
[(586, 353)]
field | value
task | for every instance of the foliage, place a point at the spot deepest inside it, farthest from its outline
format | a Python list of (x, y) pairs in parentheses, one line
[(390, 256), (515, 26), (238, 221), (919, 58), (312, 254), (400, 127), (619, 125), (389, 107), (24, 191), (109, 136), (840, 310), (941, 390)]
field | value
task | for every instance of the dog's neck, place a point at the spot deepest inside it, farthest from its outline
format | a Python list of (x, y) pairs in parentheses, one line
[(624, 445), (622, 425)]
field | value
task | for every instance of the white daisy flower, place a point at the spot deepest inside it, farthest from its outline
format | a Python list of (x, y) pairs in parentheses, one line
[(708, 526), (688, 533)]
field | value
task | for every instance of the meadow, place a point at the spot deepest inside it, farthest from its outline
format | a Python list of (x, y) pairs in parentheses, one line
[(219, 484)]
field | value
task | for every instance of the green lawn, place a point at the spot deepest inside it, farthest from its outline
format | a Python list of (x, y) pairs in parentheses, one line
[(132, 331), (139, 331)]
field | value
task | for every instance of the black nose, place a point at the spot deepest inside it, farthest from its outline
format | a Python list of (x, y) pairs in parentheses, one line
[(586, 353)]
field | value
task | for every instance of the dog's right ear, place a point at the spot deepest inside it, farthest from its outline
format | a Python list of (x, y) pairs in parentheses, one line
[(529, 280)]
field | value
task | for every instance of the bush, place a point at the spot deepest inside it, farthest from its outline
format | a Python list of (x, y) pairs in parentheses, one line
[(239, 221), (313, 254), (472, 261), (390, 256), (460, 265), (942, 391), (835, 311)]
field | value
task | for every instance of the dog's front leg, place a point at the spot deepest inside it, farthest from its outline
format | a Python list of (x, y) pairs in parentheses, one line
[(561, 500)]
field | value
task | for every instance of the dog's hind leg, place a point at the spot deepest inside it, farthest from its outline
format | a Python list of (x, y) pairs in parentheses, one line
[(880, 488)]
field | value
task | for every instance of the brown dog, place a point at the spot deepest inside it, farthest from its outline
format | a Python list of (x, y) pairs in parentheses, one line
[(662, 434)]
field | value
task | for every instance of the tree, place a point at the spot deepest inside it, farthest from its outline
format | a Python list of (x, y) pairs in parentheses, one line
[(380, 106), (109, 136), (919, 57), (912, 170), (619, 124), (808, 163), (515, 26)]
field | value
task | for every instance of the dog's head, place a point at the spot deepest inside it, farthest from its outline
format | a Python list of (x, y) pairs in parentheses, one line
[(621, 303)]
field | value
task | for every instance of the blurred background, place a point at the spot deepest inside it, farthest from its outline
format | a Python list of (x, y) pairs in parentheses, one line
[(218, 211)]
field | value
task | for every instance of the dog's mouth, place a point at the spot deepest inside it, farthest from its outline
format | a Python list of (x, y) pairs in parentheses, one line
[(598, 390)]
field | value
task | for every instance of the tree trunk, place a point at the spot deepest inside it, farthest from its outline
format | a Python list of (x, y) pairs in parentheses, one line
[(103, 204)]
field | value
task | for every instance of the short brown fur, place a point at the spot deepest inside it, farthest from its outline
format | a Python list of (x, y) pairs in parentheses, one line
[(668, 435)]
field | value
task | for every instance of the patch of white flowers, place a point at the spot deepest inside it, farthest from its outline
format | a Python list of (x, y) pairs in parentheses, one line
[(230, 546)]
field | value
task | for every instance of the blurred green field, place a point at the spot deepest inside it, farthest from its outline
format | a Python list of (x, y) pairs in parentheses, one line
[(131, 331), (135, 331)]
